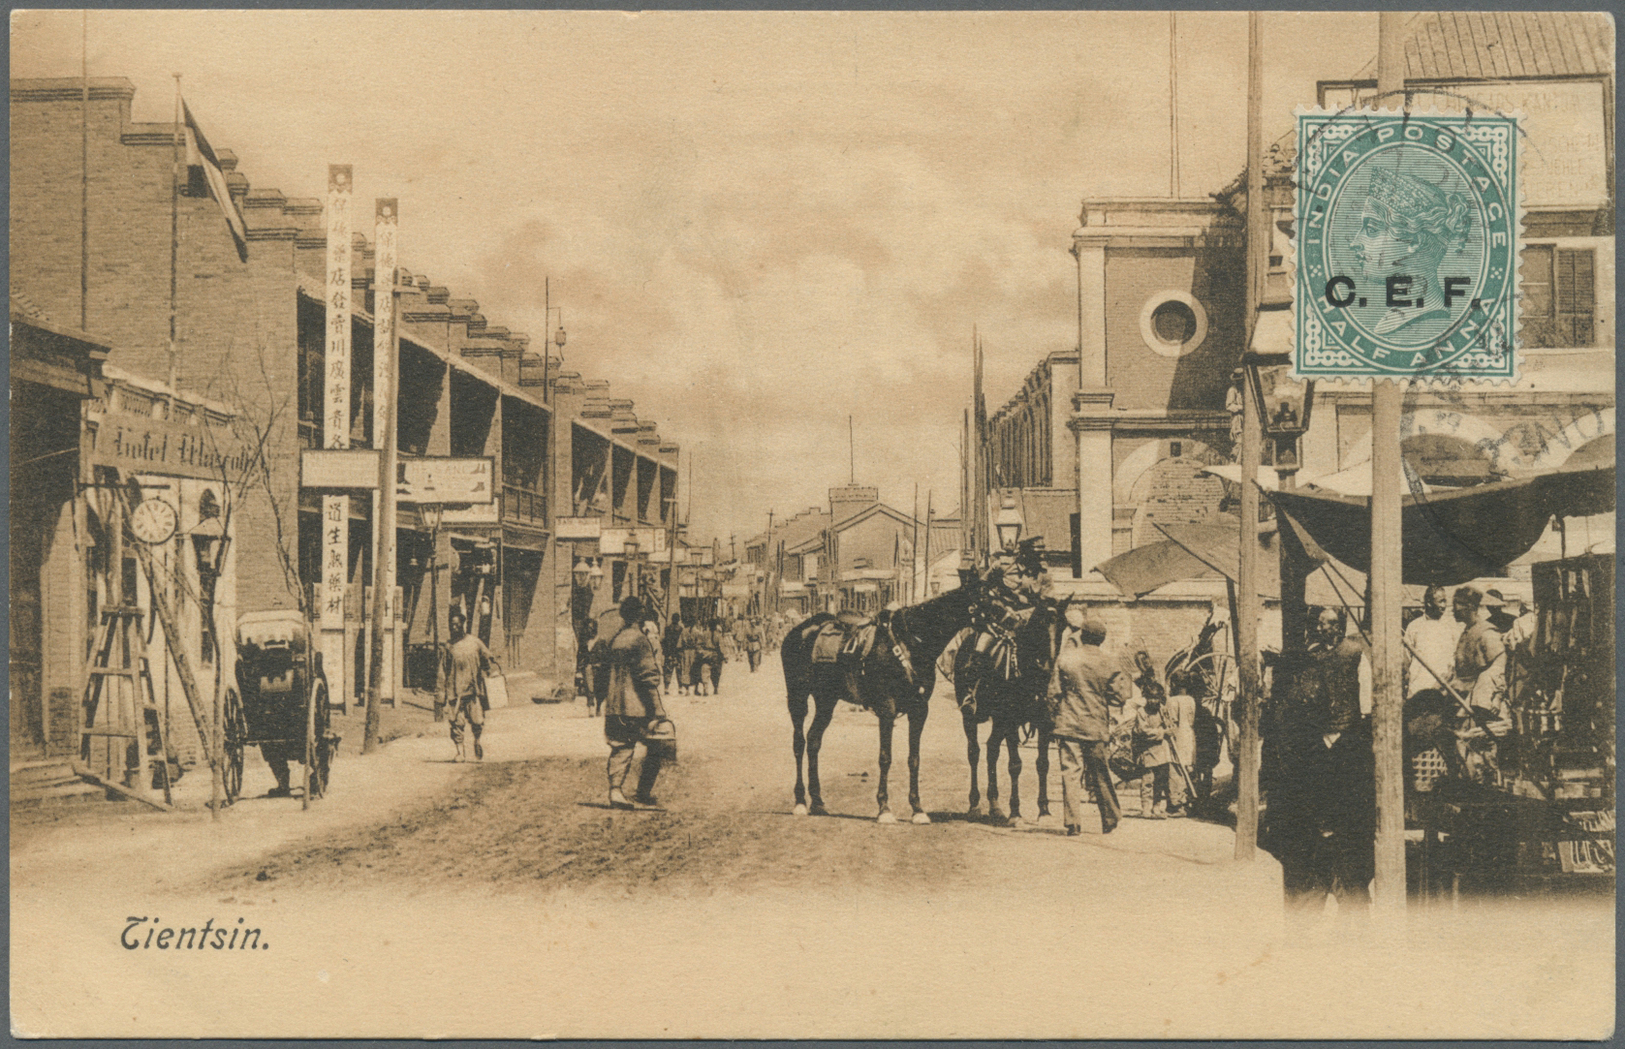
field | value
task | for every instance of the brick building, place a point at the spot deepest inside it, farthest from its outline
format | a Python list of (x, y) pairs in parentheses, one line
[(250, 318), (1161, 323)]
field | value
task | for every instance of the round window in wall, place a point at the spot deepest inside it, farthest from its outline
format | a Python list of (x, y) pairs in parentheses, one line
[(1173, 323)]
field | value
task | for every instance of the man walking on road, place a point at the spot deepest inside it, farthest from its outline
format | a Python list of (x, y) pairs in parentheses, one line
[(633, 712), (462, 685), (1086, 684), (753, 644)]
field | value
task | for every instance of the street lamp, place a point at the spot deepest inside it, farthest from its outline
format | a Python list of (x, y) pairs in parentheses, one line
[(1008, 522), (582, 572), (630, 550), (1284, 403)]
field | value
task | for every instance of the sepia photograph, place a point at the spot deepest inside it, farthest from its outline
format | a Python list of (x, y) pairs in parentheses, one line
[(678, 524)]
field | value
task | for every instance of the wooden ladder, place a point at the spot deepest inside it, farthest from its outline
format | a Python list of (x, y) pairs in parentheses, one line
[(124, 730)]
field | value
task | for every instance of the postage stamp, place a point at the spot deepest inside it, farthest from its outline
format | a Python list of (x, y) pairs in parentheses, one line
[(1407, 245)]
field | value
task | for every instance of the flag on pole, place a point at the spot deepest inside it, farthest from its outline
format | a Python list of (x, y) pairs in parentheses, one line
[(200, 155)]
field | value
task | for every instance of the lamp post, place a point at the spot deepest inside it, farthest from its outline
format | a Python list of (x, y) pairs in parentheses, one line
[(1008, 523), (1284, 404), (634, 574)]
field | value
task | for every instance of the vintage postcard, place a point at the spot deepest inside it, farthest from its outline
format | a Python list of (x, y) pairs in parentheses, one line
[(838, 525)]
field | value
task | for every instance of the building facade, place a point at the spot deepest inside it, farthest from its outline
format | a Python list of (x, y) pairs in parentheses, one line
[(1161, 328), (249, 320)]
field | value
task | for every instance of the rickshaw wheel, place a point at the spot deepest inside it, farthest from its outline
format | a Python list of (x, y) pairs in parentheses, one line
[(322, 756), (234, 730)]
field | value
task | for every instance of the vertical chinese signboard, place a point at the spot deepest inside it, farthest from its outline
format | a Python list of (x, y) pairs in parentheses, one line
[(336, 428)]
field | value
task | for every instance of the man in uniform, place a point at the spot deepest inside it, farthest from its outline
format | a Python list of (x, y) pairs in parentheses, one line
[(753, 643), (1009, 593), (462, 684), (633, 707)]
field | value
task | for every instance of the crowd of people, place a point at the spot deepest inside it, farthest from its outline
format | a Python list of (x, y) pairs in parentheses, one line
[(692, 652), (1115, 723)]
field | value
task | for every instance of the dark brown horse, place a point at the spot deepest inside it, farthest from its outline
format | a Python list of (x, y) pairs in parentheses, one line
[(881, 681), (1007, 687)]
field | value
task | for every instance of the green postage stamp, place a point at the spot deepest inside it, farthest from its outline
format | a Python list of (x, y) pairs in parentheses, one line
[(1407, 231)]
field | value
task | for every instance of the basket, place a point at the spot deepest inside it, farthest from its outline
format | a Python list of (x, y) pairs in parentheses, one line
[(1427, 769)]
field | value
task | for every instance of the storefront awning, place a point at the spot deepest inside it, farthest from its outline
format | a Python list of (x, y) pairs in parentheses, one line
[(1450, 537)]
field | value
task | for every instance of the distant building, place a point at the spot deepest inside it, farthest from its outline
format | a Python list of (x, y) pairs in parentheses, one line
[(859, 555)]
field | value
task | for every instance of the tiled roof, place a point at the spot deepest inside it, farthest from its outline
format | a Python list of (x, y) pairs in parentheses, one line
[(1486, 45)]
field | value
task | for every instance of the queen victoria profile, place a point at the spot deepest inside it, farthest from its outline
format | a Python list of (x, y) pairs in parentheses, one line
[(1406, 228)]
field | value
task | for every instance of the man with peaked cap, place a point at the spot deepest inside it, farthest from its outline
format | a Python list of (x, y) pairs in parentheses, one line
[(633, 707), (1087, 683)]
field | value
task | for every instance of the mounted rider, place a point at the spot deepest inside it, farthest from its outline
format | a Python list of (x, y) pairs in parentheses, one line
[(1011, 589)]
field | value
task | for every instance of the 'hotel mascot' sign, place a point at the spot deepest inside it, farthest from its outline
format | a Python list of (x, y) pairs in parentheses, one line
[(1407, 245)]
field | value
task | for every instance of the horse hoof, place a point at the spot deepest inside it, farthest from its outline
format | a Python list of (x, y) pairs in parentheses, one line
[(974, 810), (1013, 821), (799, 810), (886, 817), (819, 810), (997, 816), (920, 819)]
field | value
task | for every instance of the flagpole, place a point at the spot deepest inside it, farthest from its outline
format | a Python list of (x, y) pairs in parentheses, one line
[(84, 171), (174, 235), (1173, 105)]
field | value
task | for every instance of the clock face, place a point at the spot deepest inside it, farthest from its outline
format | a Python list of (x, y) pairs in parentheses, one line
[(153, 521)]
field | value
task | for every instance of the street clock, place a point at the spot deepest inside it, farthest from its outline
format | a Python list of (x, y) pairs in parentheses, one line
[(153, 522)]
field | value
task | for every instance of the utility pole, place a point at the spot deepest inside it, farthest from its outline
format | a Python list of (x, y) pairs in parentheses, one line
[(1387, 653), (385, 359), (1246, 604), (914, 551)]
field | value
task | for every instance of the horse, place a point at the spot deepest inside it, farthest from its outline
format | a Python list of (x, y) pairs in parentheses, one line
[(1010, 703), (893, 678)]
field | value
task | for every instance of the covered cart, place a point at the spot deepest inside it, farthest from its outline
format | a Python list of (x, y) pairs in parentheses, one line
[(280, 704)]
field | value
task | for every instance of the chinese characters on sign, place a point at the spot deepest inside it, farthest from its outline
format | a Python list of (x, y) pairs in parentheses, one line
[(336, 414), (1407, 230)]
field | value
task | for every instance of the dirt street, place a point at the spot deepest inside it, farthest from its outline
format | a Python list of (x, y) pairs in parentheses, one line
[(426, 898)]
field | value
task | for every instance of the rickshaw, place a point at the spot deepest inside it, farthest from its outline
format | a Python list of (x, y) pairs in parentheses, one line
[(280, 703)]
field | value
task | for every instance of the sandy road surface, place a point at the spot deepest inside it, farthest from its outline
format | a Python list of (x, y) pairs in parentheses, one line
[(425, 898)]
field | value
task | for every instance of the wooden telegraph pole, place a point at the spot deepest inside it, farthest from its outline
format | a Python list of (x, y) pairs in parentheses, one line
[(1252, 439), (1386, 645), (385, 361)]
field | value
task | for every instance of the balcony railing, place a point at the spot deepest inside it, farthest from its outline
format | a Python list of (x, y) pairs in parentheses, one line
[(523, 504)]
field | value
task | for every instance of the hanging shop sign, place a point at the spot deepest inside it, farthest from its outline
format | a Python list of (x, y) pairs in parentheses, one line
[(445, 479), (578, 527), (338, 468), (154, 446)]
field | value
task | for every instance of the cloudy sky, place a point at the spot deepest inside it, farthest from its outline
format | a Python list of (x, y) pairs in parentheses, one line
[(756, 223)]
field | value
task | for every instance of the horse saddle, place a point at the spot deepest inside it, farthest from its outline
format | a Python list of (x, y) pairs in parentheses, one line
[(847, 640)]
